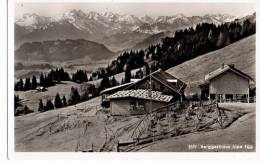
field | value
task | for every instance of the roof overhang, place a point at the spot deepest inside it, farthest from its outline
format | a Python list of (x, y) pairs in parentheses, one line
[(220, 71), (141, 94)]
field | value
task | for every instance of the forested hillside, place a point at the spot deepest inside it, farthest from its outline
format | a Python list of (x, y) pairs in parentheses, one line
[(241, 54), (185, 45)]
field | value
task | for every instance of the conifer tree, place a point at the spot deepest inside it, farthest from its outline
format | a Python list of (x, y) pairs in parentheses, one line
[(27, 84), (41, 107), (90, 78), (74, 96), (16, 101), (114, 82), (49, 105), (25, 109), (57, 101), (105, 82), (64, 101), (34, 82), (20, 85), (42, 80)]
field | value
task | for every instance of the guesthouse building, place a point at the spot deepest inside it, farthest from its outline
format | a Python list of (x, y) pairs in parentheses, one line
[(152, 92)]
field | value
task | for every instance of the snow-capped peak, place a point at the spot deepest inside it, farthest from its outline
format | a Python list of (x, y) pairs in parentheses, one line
[(180, 15), (93, 15), (147, 19), (171, 19), (131, 19), (219, 18), (73, 14), (34, 21), (108, 14)]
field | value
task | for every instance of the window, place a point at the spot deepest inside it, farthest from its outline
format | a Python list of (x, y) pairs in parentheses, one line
[(132, 105), (140, 106), (212, 96), (137, 105), (229, 97)]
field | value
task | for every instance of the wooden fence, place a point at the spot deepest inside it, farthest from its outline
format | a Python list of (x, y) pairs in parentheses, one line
[(145, 123)]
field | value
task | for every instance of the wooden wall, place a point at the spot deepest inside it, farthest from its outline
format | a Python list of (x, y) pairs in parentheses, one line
[(229, 83), (122, 106)]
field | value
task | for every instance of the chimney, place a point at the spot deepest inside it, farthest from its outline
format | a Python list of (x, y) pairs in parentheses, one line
[(223, 65), (232, 65)]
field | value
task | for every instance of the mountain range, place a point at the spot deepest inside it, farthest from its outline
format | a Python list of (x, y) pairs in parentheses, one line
[(115, 31)]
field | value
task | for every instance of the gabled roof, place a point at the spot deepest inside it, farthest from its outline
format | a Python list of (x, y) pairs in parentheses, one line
[(226, 68), (165, 79), (141, 94)]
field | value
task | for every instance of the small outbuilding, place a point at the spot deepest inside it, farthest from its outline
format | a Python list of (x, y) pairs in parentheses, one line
[(226, 84), (40, 88)]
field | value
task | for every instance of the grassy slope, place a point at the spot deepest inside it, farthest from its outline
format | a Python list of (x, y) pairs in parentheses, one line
[(241, 53), (31, 98), (32, 131), (65, 128)]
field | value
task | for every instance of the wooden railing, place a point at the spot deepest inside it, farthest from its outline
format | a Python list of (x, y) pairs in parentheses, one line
[(243, 100)]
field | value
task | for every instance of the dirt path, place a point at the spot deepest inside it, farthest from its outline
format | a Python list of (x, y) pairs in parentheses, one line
[(239, 136)]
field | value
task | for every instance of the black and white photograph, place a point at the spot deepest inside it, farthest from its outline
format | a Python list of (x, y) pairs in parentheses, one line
[(134, 77)]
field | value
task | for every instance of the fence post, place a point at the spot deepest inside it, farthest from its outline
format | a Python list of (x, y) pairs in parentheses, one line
[(117, 147), (154, 135)]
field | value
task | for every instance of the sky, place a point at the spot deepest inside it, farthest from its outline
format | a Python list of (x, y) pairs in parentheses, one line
[(138, 9)]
